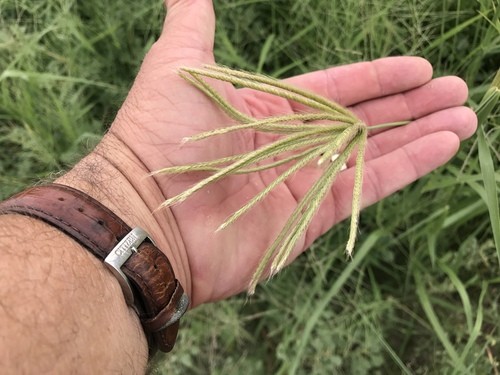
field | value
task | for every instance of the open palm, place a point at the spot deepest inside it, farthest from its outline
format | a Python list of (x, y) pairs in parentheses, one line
[(162, 108)]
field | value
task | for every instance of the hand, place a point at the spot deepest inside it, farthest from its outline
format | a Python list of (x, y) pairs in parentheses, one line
[(162, 108)]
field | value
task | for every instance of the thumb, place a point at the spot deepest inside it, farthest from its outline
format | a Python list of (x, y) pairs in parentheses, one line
[(189, 29)]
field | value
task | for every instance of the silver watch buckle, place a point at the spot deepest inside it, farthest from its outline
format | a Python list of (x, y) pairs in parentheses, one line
[(120, 254)]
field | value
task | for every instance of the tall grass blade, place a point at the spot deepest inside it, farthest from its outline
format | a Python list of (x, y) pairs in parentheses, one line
[(488, 172), (487, 105), (404, 369), (476, 330), (48, 77), (435, 323), (451, 33), (264, 53), (462, 292)]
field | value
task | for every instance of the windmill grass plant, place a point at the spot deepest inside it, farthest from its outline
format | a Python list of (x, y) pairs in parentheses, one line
[(328, 135)]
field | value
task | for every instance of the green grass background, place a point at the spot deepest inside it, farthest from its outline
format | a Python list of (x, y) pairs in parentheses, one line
[(422, 293)]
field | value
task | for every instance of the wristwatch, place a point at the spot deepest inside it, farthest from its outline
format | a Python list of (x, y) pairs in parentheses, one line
[(143, 271)]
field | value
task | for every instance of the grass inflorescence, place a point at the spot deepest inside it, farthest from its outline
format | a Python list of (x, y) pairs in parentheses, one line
[(329, 136)]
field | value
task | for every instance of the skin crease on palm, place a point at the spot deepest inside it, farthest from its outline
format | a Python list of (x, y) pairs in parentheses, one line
[(162, 109)]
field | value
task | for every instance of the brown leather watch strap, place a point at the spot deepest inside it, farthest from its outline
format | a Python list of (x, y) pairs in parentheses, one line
[(146, 276)]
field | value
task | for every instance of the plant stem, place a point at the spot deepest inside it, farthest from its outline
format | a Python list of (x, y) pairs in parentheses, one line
[(389, 125)]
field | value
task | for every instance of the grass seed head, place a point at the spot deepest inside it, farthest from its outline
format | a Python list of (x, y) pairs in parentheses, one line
[(301, 141)]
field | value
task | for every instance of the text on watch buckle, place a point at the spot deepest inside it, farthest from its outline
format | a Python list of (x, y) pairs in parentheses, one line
[(121, 253)]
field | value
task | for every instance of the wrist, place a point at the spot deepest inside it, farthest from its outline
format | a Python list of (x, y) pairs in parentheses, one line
[(115, 177)]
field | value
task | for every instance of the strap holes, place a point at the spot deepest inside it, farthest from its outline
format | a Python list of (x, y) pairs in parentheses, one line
[(155, 266), (100, 222), (61, 199), (80, 209)]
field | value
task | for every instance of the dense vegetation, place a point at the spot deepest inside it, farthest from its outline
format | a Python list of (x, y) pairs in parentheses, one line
[(422, 292)]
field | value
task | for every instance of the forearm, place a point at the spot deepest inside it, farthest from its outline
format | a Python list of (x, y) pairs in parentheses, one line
[(61, 310)]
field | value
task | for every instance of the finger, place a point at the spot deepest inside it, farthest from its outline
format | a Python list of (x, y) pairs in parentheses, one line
[(354, 83), (438, 94), (189, 28), (460, 120), (394, 170)]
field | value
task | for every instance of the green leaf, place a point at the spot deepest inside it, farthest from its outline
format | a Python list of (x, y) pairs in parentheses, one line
[(435, 323), (486, 106)]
